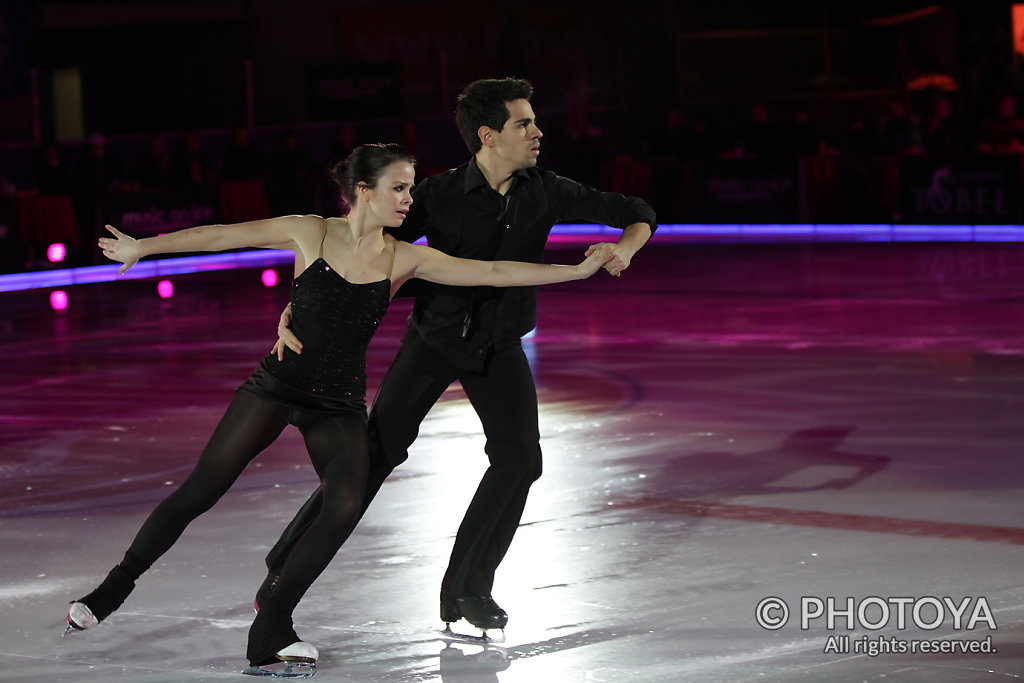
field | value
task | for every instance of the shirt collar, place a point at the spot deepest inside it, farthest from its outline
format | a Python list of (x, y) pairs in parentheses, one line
[(475, 177)]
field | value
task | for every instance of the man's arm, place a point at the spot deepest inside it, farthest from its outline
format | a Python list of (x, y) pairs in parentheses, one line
[(633, 237), (634, 216)]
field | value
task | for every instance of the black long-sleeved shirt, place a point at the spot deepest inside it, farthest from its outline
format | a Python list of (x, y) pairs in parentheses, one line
[(461, 215)]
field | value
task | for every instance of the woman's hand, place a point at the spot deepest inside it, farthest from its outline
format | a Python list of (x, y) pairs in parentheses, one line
[(597, 256), (285, 336), (121, 248)]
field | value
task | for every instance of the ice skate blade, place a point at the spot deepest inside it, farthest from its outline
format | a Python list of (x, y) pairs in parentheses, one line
[(483, 639), (80, 617), (287, 669)]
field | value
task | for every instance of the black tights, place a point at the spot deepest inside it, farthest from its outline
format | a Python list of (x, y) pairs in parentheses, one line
[(337, 446)]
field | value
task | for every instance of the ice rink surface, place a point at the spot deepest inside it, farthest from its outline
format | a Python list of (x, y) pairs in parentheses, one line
[(716, 453)]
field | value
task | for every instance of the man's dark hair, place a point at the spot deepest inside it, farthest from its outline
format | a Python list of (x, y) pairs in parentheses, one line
[(482, 103)]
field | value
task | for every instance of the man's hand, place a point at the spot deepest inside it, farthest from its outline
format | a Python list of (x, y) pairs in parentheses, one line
[(285, 336), (620, 256), (633, 237), (595, 259)]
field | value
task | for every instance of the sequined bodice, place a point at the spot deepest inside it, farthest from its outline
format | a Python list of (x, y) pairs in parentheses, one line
[(335, 321)]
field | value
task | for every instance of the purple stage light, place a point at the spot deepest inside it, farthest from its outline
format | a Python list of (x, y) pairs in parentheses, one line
[(269, 277), (165, 288)]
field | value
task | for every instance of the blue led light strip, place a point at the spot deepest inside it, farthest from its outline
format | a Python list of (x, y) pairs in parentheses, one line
[(561, 234)]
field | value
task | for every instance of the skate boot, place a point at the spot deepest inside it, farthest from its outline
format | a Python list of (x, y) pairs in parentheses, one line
[(90, 610), (80, 617), (482, 612)]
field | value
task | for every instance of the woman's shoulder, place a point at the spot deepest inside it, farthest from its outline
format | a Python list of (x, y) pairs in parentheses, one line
[(307, 221), (407, 256), (397, 246)]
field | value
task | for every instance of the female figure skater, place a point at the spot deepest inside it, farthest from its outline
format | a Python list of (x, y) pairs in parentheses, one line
[(346, 269)]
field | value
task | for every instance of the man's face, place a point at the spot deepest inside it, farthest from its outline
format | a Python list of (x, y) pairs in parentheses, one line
[(518, 142)]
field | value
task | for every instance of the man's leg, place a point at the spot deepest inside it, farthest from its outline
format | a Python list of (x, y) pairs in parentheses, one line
[(416, 379), (505, 398)]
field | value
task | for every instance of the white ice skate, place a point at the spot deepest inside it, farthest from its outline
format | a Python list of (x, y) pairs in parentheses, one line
[(80, 617), (298, 660)]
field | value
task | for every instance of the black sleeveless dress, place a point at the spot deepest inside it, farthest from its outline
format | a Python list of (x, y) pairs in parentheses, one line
[(335, 320)]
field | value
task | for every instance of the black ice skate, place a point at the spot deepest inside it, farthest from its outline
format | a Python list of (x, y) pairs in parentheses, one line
[(482, 612)]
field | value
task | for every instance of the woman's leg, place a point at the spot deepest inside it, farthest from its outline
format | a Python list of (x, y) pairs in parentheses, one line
[(249, 426), (338, 448), (410, 388)]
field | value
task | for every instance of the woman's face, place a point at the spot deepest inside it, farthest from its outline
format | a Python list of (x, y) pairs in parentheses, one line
[(391, 198)]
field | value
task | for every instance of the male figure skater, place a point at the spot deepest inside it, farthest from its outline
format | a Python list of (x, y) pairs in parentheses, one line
[(498, 205)]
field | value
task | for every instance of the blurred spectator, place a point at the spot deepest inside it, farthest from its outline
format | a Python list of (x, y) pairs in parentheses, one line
[(97, 171), (758, 136), (96, 174), (801, 136), (409, 137), (685, 137), (341, 146), (702, 140), (676, 135), (327, 198), (672, 130), (1002, 133), (899, 130), (50, 172), (859, 133), (292, 177), (940, 131), (994, 71), (193, 166), (581, 141), (243, 159), (154, 169)]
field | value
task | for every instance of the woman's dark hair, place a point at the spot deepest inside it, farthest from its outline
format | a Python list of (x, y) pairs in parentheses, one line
[(366, 165), (482, 103)]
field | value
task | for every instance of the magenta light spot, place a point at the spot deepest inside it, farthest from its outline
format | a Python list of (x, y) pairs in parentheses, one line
[(269, 277), (56, 252), (165, 288), (58, 300)]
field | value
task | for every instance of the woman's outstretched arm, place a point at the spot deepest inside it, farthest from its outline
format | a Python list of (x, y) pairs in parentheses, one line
[(276, 233), (435, 266)]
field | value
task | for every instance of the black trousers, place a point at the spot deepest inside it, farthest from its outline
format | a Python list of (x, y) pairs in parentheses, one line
[(505, 399)]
